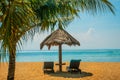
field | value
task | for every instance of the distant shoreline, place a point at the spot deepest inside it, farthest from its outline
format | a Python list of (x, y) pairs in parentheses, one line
[(68, 49)]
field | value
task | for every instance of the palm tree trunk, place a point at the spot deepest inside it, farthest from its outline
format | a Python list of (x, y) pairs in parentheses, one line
[(11, 68)]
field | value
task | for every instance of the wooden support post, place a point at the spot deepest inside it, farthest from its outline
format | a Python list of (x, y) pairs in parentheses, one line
[(60, 57)]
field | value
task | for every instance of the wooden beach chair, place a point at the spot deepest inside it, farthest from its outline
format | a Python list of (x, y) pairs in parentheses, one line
[(74, 66), (48, 67)]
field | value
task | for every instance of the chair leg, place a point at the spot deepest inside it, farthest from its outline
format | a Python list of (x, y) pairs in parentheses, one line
[(80, 71), (52, 71), (44, 72)]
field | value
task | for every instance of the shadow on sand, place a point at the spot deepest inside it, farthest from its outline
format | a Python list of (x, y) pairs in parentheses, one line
[(71, 75)]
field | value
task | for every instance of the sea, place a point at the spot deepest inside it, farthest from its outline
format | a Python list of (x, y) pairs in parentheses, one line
[(87, 55)]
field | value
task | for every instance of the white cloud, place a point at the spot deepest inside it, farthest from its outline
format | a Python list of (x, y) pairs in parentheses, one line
[(90, 31), (88, 36)]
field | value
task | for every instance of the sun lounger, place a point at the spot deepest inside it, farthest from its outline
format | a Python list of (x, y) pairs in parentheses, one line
[(74, 66), (48, 67)]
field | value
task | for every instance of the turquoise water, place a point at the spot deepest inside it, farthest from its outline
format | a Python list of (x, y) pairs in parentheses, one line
[(108, 55)]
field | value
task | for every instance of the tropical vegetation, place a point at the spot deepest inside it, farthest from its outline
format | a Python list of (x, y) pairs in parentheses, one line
[(20, 20)]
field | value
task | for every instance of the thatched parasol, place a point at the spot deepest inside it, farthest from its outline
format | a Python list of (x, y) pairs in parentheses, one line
[(57, 38)]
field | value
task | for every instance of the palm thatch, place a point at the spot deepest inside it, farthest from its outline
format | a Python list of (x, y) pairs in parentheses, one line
[(59, 37)]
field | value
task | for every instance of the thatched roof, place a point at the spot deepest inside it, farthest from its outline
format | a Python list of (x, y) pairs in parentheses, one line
[(59, 37)]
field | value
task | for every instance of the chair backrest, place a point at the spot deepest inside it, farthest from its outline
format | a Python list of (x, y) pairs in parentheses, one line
[(48, 65), (75, 64)]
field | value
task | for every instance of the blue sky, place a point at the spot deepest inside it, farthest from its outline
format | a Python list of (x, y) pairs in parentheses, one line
[(101, 31)]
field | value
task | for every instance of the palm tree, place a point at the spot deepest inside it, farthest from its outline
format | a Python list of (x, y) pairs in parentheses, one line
[(15, 20), (21, 19)]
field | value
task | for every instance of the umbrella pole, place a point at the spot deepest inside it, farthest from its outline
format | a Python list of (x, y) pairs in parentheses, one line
[(60, 57)]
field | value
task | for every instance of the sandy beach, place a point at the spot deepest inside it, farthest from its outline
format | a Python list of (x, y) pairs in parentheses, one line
[(90, 71)]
